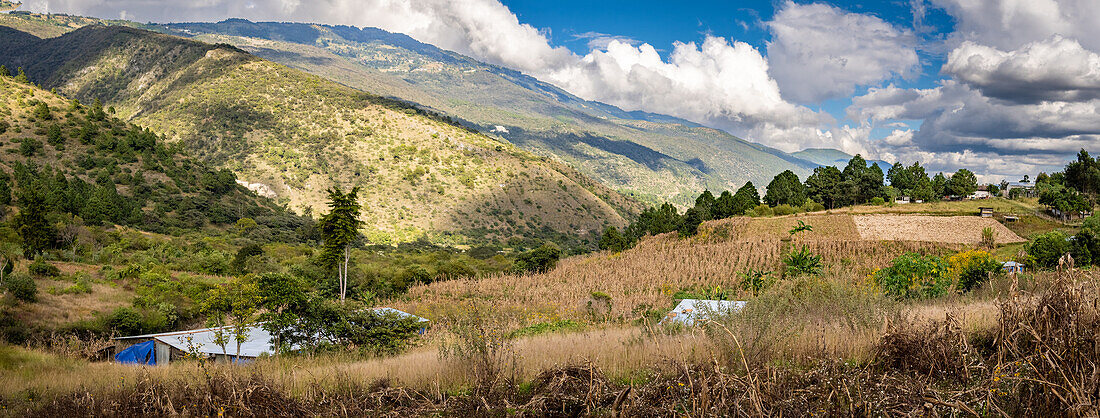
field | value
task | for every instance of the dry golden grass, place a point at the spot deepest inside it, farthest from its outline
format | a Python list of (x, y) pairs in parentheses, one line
[(647, 276)]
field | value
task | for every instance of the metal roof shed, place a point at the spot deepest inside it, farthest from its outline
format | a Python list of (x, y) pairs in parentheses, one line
[(691, 310)]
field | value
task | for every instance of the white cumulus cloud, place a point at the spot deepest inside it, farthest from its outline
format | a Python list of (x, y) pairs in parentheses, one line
[(1052, 69), (820, 52)]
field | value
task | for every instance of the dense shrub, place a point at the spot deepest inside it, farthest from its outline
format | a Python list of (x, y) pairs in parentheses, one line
[(1046, 249), (972, 268), (878, 201), (125, 321), (22, 287), (913, 276), (539, 260), (40, 268), (612, 240), (784, 209)]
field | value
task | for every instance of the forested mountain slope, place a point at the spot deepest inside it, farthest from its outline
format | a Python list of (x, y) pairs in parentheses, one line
[(61, 157), (293, 135)]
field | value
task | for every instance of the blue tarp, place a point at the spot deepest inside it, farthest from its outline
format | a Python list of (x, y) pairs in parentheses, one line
[(141, 353)]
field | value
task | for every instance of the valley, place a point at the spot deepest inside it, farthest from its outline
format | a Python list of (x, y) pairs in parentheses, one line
[(251, 219)]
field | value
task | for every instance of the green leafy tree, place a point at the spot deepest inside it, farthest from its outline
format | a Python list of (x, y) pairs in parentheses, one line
[(285, 304), (339, 230), (654, 221), (612, 240), (4, 72), (1083, 175), (785, 189), (963, 183), (9, 253), (539, 260), (22, 287), (704, 204), (1045, 250), (689, 225), (42, 111)]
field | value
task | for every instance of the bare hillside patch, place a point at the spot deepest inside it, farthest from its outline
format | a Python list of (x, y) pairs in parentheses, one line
[(945, 229)]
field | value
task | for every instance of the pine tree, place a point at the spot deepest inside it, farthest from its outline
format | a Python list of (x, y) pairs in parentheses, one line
[(37, 233), (339, 230), (22, 77), (785, 189)]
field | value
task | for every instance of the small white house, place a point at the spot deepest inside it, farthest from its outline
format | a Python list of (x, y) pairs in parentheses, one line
[(901, 200), (980, 194), (691, 310)]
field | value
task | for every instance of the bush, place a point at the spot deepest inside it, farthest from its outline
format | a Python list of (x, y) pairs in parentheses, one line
[(878, 201), (812, 206), (763, 210), (1046, 249), (539, 260), (802, 262), (913, 276), (612, 240), (972, 268), (125, 321), (22, 287), (781, 210), (40, 268)]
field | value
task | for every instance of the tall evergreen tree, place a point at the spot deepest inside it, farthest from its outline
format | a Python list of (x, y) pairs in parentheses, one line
[(824, 186), (22, 77), (939, 186), (339, 230), (724, 206), (704, 204), (747, 197), (35, 230), (785, 189)]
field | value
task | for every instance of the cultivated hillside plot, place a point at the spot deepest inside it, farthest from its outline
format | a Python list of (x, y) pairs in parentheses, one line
[(844, 227), (946, 229)]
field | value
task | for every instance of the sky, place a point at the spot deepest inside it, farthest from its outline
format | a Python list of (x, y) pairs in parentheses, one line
[(1002, 87)]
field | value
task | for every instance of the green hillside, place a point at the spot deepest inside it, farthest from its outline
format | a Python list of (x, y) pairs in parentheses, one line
[(651, 157), (82, 162), (291, 136)]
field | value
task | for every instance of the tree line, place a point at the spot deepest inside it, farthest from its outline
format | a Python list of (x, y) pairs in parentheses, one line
[(828, 187)]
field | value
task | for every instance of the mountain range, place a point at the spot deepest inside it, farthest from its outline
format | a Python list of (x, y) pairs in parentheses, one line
[(651, 157), (291, 136)]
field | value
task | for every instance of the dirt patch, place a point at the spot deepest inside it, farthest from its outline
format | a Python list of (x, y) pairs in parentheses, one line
[(947, 229)]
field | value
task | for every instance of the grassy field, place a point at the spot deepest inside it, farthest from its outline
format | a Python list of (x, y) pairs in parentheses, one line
[(585, 338)]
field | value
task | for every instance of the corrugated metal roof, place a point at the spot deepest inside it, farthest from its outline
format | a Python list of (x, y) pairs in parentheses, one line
[(691, 310), (259, 341), (401, 314)]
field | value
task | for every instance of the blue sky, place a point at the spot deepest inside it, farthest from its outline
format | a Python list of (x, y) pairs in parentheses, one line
[(1002, 87), (571, 23)]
